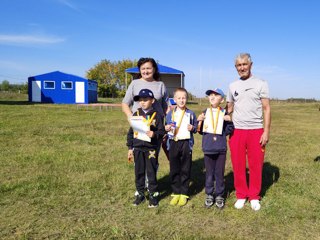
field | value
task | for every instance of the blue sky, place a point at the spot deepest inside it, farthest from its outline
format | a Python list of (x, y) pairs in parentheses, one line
[(201, 38)]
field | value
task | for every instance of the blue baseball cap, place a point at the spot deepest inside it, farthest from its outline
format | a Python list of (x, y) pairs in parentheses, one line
[(216, 91), (172, 102), (144, 93)]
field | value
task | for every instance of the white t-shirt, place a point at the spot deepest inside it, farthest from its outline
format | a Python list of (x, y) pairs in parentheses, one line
[(157, 87), (246, 96)]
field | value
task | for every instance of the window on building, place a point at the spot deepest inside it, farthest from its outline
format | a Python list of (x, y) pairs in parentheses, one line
[(66, 85), (49, 85)]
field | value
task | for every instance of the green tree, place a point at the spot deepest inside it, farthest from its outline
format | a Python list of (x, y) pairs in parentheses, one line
[(5, 85), (16, 87), (111, 77)]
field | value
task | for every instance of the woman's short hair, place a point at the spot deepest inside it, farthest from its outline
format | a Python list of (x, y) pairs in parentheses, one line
[(142, 60)]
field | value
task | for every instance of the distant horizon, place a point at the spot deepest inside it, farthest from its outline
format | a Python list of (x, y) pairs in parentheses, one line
[(203, 97)]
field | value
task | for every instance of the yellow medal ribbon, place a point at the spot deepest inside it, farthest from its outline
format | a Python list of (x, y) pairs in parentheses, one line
[(180, 121), (149, 120), (214, 123)]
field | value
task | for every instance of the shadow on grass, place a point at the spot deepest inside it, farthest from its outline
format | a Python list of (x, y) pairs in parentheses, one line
[(229, 186), (197, 177), (270, 175), (15, 103), (317, 159), (196, 182), (164, 186)]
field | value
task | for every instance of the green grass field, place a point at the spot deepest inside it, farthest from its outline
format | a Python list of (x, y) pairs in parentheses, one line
[(64, 175)]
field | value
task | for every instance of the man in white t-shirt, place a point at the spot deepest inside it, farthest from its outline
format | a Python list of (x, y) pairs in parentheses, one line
[(248, 100)]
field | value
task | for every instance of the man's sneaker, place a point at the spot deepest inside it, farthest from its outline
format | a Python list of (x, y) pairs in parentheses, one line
[(183, 200), (208, 202), (175, 199), (139, 199), (153, 200), (240, 203), (255, 204), (219, 202)]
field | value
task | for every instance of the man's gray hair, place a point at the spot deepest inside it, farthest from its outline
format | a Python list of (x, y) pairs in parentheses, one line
[(243, 55)]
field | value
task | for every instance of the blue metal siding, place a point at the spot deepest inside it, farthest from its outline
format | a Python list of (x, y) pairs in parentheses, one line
[(60, 95), (30, 89)]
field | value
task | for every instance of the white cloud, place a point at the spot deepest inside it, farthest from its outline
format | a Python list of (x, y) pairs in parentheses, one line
[(70, 5), (29, 39)]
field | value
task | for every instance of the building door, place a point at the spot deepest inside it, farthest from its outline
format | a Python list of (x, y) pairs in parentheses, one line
[(36, 91), (79, 92)]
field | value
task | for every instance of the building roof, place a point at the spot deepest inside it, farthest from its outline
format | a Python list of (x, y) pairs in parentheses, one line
[(162, 70), (58, 75)]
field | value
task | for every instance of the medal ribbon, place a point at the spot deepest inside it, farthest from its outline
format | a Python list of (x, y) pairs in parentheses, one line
[(149, 120), (180, 121), (214, 126)]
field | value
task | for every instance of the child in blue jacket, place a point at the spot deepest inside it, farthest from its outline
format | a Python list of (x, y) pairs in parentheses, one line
[(181, 124), (214, 147)]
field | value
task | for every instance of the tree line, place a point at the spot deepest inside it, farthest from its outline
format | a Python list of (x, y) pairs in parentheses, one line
[(111, 77), (9, 87)]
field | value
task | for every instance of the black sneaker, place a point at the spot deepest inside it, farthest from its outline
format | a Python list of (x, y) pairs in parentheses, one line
[(153, 200), (208, 202), (139, 199), (219, 202)]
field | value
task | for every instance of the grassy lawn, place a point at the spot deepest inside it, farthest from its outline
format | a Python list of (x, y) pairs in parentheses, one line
[(64, 175)]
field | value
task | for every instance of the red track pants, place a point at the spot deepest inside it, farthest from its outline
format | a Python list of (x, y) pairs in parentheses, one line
[(245, 144)]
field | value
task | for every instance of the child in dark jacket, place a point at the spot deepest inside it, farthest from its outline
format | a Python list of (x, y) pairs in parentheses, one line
[(215, 126), (143, 151)]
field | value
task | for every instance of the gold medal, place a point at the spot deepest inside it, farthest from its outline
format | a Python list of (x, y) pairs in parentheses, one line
[(215, 123), (135, 134)]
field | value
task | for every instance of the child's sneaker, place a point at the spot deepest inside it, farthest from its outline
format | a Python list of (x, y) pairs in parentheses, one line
[(208, 202), (175, 199), (183, 200), (153, 200), (139, 199), (219, 202), (255, 204), (240, 203)]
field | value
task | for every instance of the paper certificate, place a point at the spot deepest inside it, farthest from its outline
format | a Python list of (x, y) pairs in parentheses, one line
[(183, 132), (210, 122), (140, 126)]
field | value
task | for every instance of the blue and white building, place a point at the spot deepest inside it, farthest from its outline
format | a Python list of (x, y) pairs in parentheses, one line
[(63, 88)]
